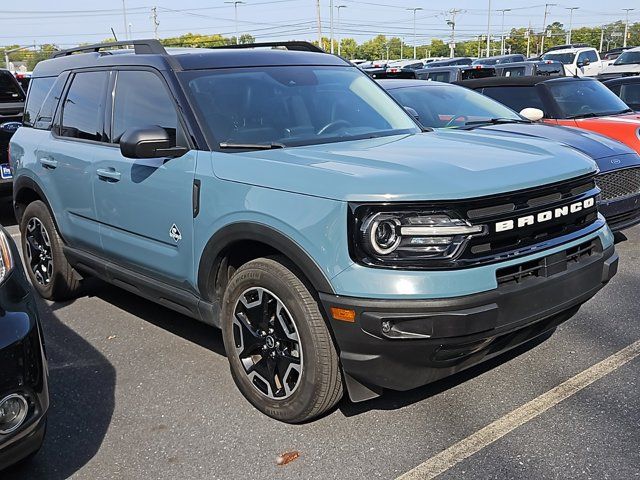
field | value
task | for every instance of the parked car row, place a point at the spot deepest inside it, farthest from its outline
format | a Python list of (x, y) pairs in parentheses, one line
[(345, 239)]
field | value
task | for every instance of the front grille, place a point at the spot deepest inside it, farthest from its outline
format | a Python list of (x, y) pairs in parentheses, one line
[(504, 245), (619, 183), (546, 266)]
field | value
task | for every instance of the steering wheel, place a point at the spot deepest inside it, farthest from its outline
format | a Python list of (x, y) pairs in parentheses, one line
[(335, 125), (451, 122)]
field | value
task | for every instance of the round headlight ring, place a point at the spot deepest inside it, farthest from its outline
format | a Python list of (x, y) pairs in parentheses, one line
[(383, 235)]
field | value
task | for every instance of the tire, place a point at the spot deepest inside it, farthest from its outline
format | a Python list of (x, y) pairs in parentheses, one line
[(57, 280), (305, 390)]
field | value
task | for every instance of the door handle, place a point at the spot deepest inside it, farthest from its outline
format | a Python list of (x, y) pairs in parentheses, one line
[(108, 174), (48, 163)]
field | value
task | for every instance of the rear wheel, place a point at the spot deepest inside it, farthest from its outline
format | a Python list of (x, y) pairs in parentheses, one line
[(280, 351), (47, 267)]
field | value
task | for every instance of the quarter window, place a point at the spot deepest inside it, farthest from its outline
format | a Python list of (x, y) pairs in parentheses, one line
[(37, 93), (83, 110), (142, 100)]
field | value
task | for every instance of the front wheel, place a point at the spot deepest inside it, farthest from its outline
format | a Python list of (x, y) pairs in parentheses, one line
[(280, 351)]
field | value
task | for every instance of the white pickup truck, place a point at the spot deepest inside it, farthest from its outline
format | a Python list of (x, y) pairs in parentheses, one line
[(581, 62)]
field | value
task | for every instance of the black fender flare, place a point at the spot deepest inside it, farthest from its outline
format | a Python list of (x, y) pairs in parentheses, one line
[(258, 232), (24, 182)]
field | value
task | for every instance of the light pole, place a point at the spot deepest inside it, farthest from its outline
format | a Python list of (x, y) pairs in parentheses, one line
[(414, 29), (331, 24), (124, 17), (626, 26), (571, 9), (504, 10), (489, 30), (338, 7), (544, 24), (235, 12)]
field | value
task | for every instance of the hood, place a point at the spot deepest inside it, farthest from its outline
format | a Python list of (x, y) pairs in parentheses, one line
[(592, 144), (442, 165), (631, 68)]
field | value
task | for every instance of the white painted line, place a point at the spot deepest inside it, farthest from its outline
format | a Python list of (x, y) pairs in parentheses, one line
[(446, 459)]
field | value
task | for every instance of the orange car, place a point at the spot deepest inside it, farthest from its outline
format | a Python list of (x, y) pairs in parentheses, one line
[(574, 102)]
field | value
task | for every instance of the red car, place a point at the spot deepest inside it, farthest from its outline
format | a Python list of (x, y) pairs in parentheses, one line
[(574, 102)]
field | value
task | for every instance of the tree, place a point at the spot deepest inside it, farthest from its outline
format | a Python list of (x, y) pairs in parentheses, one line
[(246, 38)]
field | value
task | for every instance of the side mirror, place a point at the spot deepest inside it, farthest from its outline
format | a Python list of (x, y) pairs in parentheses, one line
[(149, 142), (533, 114), (412, 112)]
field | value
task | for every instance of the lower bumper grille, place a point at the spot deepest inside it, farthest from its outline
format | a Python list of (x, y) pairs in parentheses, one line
[(546, 266)]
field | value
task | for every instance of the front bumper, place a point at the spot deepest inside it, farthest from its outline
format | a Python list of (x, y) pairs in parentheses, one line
[(403, 344), (23, 366), (621, 213)]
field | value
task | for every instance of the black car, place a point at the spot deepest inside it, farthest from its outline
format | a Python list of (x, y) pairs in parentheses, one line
[(450, 62), (455, 73), (500, 59), (628, 89), (440, 105), (11, 107), (24, 393), (528, 68)]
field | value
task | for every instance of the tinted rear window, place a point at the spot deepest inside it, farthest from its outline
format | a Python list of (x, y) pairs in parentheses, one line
[(37, 93), (548, 69), (10, 90), (82, 115), (477, 73), (516, 98)]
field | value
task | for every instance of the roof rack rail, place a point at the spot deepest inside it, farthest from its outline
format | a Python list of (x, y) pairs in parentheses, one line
[(293, 45), (140, 47)]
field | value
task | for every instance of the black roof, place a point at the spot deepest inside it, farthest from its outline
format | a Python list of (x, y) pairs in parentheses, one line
[(393, 84), (519, 81), (625, 79), (152, 54)]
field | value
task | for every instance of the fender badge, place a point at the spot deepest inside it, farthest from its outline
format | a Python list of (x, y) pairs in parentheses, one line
[(175, 233)]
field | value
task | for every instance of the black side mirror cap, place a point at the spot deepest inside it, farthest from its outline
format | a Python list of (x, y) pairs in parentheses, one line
[(149, 142)]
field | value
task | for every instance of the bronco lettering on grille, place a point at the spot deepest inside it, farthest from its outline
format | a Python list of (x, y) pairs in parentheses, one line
[(545, 216)]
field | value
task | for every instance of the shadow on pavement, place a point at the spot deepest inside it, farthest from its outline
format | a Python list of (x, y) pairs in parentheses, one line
[(201, 334), (81, 388)]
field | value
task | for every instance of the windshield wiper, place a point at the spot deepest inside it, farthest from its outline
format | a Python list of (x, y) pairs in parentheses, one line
[(584, 115), (496, 121), (251, 146)]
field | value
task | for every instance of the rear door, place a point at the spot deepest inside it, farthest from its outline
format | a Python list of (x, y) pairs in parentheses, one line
[(66, 160), (145, 206)]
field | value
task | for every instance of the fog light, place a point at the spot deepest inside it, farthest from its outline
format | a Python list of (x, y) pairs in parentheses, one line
[(13, 411)]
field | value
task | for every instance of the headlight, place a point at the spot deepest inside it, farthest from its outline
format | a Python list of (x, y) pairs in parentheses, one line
[(412, 238), (6, 259)]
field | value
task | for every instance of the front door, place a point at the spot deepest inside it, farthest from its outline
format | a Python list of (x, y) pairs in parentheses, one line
[(145, 205)]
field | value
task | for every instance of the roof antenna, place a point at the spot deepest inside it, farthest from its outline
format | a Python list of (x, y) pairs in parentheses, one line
[(114, 34)]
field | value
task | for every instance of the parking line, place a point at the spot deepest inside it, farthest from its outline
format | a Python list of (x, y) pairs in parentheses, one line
[(475, 442)]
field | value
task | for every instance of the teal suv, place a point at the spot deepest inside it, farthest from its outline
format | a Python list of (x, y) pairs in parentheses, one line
[(280, 194)]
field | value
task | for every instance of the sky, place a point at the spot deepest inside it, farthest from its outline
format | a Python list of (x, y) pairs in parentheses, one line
[(70, 22)]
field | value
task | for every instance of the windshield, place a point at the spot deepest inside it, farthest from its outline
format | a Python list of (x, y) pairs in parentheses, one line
[(628, 58), (566, 58), (293, 105), (10, 91), (585, 99), (451, 106)]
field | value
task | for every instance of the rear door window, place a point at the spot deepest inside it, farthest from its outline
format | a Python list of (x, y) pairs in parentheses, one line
[(439, 77), (513, 72), (37, 93), (516, 98), (83, 110), (10, 90)]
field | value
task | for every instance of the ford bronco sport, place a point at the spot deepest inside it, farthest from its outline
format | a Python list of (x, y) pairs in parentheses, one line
[(282, 195)]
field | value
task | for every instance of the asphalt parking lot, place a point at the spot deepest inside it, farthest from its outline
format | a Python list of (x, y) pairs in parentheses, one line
[(139, 391)]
